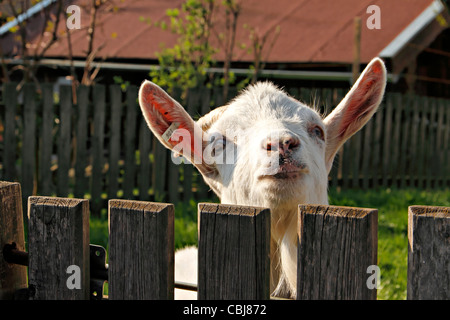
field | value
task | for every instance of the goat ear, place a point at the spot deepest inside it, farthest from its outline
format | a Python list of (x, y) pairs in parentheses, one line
[(355, 109), (169, 122)]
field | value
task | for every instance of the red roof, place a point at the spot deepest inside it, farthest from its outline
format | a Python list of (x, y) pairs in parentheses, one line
[(310, 30)]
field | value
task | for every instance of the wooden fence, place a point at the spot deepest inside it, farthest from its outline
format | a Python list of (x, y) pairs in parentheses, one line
[(337, 251), (101, 148)]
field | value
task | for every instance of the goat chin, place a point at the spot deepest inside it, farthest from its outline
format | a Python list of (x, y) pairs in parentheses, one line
[(186, 271)]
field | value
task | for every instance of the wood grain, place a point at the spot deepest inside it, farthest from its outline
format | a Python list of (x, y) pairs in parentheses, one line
[(234, 248), (336, 246), (12, 277), (58, 236), (141, 250), (428, 253)]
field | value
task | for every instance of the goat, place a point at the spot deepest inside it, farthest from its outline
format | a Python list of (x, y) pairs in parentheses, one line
[(278, 152)]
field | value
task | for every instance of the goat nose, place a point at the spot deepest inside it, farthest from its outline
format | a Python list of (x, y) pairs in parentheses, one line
[(289, 143), (284, 144)]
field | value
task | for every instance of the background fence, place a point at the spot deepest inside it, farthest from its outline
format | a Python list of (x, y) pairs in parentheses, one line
[(100, 146), (337, 249)]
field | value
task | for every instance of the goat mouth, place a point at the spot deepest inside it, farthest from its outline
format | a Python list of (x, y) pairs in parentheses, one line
[(286, 173)]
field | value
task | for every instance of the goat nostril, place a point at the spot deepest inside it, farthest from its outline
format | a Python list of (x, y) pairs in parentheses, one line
[(282, 145), (290, 143), (269, 146)]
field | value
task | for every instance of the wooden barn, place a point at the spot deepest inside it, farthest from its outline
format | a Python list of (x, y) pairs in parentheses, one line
[(309, 43)]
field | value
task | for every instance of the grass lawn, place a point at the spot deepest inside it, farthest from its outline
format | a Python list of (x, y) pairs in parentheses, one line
[(392, 208)]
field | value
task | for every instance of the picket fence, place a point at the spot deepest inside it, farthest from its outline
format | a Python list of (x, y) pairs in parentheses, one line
[(99, 147), (337, 251)]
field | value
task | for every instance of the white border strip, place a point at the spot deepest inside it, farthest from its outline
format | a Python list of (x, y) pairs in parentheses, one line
[(280, 74), (430, 13), (27, 14)]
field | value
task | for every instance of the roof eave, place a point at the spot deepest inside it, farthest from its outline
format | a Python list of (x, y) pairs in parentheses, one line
[(403, 49)]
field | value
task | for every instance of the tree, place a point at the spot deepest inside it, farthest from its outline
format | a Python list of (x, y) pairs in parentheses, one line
[(185, 65), (31, 46), (258, 47), (31, 52), (232, 12)]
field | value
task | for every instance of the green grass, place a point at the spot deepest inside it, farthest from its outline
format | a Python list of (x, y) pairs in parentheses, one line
[(392, 208)]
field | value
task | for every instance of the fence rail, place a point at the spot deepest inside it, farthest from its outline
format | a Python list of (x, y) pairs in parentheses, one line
[(101, 148), (337, 245)]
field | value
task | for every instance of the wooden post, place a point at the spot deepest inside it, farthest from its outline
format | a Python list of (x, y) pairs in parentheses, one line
[(233, 256), (12, 277), (428, 253), (141, 250), (336, 247), (58, 239)]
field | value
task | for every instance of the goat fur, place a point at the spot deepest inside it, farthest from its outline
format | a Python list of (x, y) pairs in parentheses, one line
[(265, 149)]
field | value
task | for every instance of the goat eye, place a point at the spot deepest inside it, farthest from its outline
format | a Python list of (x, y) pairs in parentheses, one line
[(318, 132), (218, 144)]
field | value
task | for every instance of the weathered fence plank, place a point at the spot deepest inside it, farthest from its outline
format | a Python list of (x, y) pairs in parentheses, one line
[(98, 137), (12, 277), (58, 238), (438, 159), (387, 140), (355, 155), (161, 156), (145, 169), (395, 145), (10, 144), (46, 140), (377, 148), (130, 145), (428, 253), (421, 156), (28, 142), (405, 141), (407, 146), (430, 151), (64, 140), (414, 133), (234, 248), (336, 246), (446, 145), (81, 141), (141, 250), (114, 141), (367, 155)]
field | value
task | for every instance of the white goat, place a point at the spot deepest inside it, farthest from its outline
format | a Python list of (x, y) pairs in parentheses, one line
[(278, 153)]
